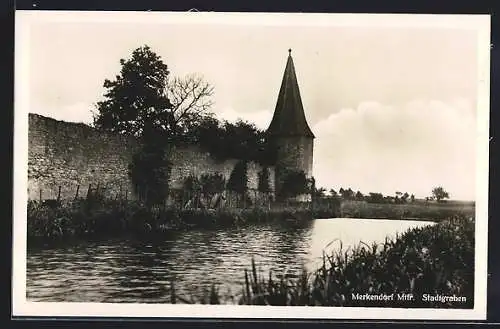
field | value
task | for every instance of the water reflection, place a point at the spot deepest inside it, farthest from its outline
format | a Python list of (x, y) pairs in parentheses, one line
[(142, 271)]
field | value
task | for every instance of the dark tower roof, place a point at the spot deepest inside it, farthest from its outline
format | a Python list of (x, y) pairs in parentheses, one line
[(289, 118)]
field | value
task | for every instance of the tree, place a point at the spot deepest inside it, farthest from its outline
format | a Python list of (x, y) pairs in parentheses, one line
[(346, 194), (349, 194), (405, 197), (149, 171), (240, 140), (294, 183), (136, 97), (376, 198), (359, 196), (389, 199), (238, 179), (332, 192), (137, 103), (191, 101), (311, 185), (440, 194), (412, 198), (243, 140), (140, 96), (319, 192)]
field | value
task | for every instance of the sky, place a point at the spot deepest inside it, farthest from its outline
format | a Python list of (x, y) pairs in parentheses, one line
[(393, 108)]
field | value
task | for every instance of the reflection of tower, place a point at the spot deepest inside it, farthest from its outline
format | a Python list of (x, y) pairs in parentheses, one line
[(289, 130)]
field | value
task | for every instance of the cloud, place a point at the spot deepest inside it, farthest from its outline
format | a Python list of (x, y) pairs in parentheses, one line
[(261, 119), (375, 147), (413, 147)]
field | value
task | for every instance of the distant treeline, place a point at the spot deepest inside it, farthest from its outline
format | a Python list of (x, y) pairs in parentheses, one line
[(438, 194), (372, 197)]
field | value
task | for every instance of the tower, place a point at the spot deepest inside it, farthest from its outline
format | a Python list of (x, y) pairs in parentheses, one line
[(288, 131)]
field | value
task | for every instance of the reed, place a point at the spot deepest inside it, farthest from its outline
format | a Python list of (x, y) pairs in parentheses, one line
[(417, 210), (86, 218), (434, 260)]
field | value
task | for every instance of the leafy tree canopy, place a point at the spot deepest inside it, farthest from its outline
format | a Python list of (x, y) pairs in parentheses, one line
[(240, 140), (440, 194), (143, 96), (136, 97)]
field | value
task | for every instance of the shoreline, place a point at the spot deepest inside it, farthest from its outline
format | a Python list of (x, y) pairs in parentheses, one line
[(422, 277), (89, 219), (411, 266)]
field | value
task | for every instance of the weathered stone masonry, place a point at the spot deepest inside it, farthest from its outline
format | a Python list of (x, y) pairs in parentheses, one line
[(290, 131), (70, 154)]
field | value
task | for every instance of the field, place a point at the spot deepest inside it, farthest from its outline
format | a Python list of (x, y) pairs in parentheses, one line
[(419, 209), (103, 218)]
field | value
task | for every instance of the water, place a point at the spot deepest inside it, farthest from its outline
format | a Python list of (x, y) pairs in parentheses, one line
[(141, 271)]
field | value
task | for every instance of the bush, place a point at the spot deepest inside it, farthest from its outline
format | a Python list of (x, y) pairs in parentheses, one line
[(264, 185), (150, 172), (294, 184), (91, 219)]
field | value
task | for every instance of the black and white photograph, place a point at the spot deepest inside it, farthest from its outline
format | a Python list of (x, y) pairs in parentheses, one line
[(251, 165)]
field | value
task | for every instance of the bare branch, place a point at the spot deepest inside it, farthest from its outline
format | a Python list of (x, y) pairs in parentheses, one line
[(190, 97)]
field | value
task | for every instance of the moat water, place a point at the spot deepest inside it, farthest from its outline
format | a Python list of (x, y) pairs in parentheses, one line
[(140, 271)]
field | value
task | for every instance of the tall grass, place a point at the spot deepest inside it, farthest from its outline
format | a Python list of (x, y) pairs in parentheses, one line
[(86, 218), (436, 259), (433, 260), (434, 211)]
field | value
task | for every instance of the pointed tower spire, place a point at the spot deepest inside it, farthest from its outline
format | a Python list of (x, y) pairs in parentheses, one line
[(289, 118)]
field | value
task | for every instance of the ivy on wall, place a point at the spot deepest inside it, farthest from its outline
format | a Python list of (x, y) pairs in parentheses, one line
[(212, 183), (238, 180), (240, 140), (294, 183), (149, 172), (264, 184)]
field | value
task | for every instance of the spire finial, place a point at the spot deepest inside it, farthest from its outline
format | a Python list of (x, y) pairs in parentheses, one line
[(289, 51)]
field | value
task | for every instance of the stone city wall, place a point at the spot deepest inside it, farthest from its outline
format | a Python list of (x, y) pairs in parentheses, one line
[(69, 155)]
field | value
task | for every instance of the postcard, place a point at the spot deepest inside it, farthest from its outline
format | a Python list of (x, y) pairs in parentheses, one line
[(244, 165)]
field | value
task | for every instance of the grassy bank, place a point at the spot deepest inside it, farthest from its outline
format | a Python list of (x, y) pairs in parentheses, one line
[(434, 260), (97, 218), (83, 218), (418, 210)]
